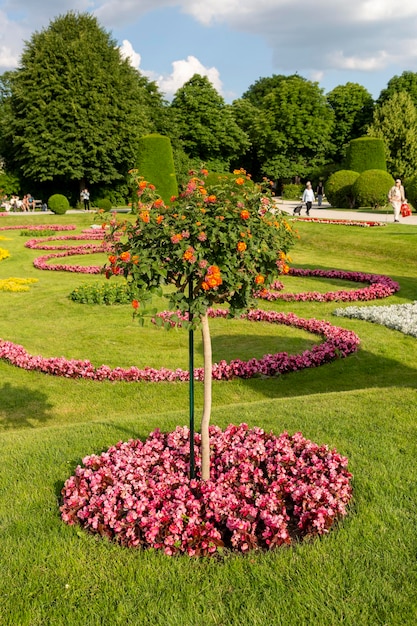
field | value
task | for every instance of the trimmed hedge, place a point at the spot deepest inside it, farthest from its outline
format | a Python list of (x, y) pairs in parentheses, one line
[(339, 190), (410, 186), (104, 204), (366, 153), (58, 204), (155, 163), (292, 191), (371, 188)]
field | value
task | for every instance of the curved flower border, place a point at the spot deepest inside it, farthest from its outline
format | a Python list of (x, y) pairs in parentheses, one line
[(41, 262), (39, 227), (380, 286), (338, 343), (40, 244)]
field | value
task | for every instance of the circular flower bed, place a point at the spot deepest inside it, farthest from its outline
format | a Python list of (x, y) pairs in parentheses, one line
[(338, 343), (264, 491), (380, 286)]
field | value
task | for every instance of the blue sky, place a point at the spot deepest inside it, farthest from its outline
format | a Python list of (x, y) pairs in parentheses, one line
[(236, 42)]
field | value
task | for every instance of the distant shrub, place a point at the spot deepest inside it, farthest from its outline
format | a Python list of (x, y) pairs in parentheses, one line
[(371, 188), (292, 191), (36, 233), (339, 188), (410, 187), (102, 293), (58, 204), (104, 204), (366, 153)]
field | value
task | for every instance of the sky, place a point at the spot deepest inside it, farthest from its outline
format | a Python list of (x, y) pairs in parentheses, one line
[(234, 43)]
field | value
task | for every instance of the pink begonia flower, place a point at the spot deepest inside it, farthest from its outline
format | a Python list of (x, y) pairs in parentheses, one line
[(264, 491)]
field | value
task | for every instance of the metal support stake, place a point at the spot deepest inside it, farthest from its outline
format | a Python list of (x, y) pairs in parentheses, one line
[(191, 384)]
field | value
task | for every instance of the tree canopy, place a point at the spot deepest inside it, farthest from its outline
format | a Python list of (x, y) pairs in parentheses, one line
[(395, 121), (406, 82), (353, 106), (205, 124), (75, 109), (293, 131)]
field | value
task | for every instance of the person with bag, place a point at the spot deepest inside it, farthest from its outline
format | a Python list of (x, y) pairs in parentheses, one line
[(396, 196), (308, 197)]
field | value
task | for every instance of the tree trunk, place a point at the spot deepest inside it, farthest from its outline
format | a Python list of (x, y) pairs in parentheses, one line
[(205, 420)]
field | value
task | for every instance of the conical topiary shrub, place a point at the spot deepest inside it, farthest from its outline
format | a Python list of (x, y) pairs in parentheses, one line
[(155, 163)]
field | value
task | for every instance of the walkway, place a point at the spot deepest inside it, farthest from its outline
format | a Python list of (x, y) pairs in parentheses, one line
[(326, 212)]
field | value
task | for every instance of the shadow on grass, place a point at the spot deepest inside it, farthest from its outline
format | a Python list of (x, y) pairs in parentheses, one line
[(247, 347), (21, 407), (339, 376)]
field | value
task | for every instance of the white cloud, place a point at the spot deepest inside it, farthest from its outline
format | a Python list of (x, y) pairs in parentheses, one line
[(183, 71), (313, 38), (127, 52), (374, 62)]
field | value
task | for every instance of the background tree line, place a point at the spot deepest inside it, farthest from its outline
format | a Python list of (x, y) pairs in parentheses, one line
[(73, 112)]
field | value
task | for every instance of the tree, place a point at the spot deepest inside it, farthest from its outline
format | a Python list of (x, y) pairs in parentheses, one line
[(263, 86), (76, 108), (206, 126), (294, 130), (395, 121), (215, 244), (406, 82), (353, 106)]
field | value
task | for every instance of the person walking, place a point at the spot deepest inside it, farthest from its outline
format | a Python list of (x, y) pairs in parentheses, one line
[(308, 197), (320, 193), (396, 196)]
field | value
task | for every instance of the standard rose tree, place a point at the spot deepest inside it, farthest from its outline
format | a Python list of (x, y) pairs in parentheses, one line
[(216, 243)]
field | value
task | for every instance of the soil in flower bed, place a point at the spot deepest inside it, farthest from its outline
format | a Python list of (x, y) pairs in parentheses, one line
[(264, 491)]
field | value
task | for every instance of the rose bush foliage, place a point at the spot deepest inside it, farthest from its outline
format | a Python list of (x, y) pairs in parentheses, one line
[(217, 242)]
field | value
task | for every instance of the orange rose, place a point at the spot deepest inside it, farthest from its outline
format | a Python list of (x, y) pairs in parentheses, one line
[(244, 214), (144, 216), (259, 280)]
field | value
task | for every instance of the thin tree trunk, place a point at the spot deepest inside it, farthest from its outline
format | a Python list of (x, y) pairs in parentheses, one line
[(205, 421)]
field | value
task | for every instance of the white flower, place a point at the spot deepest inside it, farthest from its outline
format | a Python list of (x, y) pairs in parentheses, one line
[(402, 317)]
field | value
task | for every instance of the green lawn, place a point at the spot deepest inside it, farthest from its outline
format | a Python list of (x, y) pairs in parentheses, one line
[(363, 573)]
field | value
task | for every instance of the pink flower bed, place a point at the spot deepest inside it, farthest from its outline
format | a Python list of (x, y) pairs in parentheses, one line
[(41, 263), (40, 244), (380, 286), (338, 343), (264, 491), (55, 227)]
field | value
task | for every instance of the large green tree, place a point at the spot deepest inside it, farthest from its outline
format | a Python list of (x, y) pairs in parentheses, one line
[(353, 107), (205, 124), (406, 82), (76, 109), (395, 121), (294, 130)]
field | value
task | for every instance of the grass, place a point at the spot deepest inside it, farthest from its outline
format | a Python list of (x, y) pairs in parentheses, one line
[(363, 573)]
